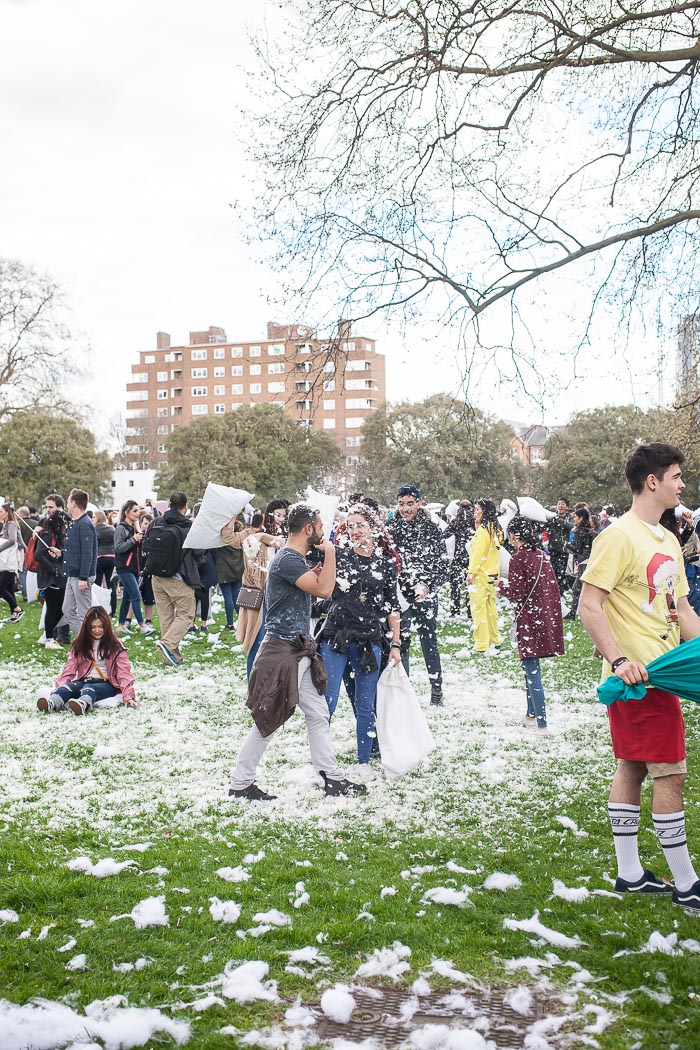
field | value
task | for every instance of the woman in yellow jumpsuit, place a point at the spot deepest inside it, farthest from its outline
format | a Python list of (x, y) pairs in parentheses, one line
[(482, 575)]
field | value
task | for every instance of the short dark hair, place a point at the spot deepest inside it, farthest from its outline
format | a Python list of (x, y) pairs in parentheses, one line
[(300, 515), (178, 500), (55, 498), (563, 499), (80, 498), (524, 530), (655, 459)]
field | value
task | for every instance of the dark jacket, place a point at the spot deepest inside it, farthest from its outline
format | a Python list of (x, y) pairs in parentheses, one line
[(229, 564), (581, 544), (423, 553), (105, 541), (188, 565), (49, 573), (206, 566), (462, 527), (559, 530), (532, 588), (273, 690), (80, 554), (126, 550)]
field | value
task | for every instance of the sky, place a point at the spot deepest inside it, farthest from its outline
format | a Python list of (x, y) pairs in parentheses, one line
[(122, 127)]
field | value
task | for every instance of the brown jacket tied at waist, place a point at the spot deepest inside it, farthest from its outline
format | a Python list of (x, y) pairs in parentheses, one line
[(273, 690)]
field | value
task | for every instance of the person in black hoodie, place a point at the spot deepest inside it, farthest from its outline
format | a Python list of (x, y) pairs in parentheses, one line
[(424, 570), (174, 584)]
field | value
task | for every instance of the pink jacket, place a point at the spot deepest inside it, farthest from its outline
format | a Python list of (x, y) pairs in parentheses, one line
[(118, 671)]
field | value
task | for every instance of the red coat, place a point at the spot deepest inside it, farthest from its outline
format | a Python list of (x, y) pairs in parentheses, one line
[(118, 672), (537, 605)]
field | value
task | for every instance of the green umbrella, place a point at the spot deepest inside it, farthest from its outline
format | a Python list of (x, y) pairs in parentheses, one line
[(677, 672)]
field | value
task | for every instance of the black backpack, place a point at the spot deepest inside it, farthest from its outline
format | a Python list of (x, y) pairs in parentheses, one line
[(164, 551)]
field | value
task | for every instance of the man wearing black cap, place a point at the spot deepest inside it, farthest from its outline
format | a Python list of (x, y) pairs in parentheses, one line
[(424, 569)]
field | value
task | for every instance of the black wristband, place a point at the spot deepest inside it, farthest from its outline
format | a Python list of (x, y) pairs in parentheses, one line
[(619, 662), (395, 645)]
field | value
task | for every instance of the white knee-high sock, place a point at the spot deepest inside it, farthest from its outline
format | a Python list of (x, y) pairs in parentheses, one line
[(624, 822), (670, 829)]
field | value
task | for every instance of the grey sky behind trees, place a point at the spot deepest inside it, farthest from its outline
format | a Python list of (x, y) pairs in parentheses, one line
[(123, 135)]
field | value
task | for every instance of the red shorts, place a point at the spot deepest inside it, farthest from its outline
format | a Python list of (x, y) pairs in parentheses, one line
[(648, 730)]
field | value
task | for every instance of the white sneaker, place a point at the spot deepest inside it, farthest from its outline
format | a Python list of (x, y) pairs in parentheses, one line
[(146, 628), (530, 722), (53, 644), (492, 651)]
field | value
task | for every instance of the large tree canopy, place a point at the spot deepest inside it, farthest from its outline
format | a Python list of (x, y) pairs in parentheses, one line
[(258, 448), (586, 459), (41, 453), (436, 154), (447, 449)]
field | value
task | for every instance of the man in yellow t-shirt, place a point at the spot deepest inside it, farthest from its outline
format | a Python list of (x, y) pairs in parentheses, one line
[(634, 606)]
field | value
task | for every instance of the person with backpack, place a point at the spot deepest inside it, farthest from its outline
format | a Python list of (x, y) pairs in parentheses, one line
[(175, 577)]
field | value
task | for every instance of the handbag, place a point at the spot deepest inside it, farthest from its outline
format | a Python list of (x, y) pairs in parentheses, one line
[(250, 598)]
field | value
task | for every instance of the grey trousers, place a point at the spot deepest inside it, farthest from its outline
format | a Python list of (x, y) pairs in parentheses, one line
[(76, 602), (315, 710)]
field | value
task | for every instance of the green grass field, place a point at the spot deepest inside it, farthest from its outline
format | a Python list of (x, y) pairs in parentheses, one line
[(492, 799)]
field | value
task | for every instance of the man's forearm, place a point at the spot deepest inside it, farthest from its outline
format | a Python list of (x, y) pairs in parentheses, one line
[(326, 577), (596, 623)]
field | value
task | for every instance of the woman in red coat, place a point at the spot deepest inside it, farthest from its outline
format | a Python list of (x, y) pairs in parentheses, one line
[(533, 590)]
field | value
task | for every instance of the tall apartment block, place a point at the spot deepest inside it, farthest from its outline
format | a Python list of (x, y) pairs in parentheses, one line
[(331, 385)]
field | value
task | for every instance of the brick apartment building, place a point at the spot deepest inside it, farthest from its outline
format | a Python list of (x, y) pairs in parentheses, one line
[(332, 385)]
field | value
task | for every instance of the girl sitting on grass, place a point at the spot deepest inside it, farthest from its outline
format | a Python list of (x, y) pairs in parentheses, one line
[(97, 667)]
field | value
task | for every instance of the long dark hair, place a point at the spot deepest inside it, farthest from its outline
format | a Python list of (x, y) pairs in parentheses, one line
[(126, 507), (490, 519), (271, 528), (526, 531), (380, 533), (109, 645), (10, 511)]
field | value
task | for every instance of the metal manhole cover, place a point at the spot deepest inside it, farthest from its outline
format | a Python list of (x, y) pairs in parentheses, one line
[(387, 1015)]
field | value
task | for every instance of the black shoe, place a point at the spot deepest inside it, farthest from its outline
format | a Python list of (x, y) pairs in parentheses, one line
[(436, 698), (341, 787), (647, 884), (689, 899), (253, 793)]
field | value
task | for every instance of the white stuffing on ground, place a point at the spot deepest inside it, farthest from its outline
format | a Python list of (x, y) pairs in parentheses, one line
[(447, 895), (127, 967), (533, 925), (444, 968), (272, 918), (8, 915), (238, 874), (519, 999), (499, 880), (224, 911), (569, 893), (570, 825), (148, 912), (78, 962), (386, 962), (102, 869), (338, 1004), (244, 982)]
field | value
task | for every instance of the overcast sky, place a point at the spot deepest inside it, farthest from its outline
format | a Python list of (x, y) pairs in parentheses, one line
[(121, 126)]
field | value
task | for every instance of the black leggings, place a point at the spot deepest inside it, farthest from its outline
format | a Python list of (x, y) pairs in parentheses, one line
[(7, 589), (54, 609), (201, 595)]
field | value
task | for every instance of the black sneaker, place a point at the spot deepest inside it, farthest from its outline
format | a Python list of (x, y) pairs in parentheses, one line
[(253, 793), (647, 884), (688, 899), (436, 698), (17, 615), (341, 787)]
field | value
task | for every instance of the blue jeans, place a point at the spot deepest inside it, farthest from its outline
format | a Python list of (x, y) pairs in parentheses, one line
[(365, 692), (230, 591), (90, 691), (131, 597), (535, 692)]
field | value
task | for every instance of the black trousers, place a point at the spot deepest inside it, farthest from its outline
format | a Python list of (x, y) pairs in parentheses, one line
[(7, 589), (424, 616)]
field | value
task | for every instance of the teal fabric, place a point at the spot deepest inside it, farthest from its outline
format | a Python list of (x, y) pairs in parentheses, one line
[(677, 672)]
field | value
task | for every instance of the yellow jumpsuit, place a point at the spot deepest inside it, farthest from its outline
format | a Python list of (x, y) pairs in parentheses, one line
[(484, 560)]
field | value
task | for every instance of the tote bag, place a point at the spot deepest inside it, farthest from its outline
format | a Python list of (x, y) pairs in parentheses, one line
[(402, 730)]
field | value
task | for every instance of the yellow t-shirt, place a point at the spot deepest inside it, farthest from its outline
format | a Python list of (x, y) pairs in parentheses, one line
[(644, 577), (484, 556)]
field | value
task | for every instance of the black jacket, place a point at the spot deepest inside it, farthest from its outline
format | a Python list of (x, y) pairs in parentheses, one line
[(126, 549), (188, 565), (423, 553)]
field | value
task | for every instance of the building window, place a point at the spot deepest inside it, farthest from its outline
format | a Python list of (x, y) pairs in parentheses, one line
[(219, 354), (329, 384), (275, 368), (219, 371), (349, 347), (162, 429), (219, 391), (236, 351), (199, 373), (255, 370), (176, 410), (162, 448), (237, 388), (199, 391), (162, 413), (219, 410), (199, 355), (137, 395), (358, 402), (329, 366), (141, 377), (200, 410), (352, 461), (236, 370), (162, 395), (329, 404), (254, 351), (355, 422), (353, 442), (357, 366), (329, 424), (149, 359), (162, 377), (275, 351), (304, 348), (256, 388), (235, 405), (275, 388)]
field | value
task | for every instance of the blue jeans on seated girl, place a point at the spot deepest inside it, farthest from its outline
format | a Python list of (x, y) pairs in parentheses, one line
[(535, 691), (131, 597), (365, 692), (83, 689), (230, 592)]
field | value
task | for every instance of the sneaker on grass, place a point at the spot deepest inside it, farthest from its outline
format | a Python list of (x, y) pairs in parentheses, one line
[(688, 899), (17, 615), (253, 793), (78, 706), (168, 657), (341, 787), (647, 884), (52, 644)]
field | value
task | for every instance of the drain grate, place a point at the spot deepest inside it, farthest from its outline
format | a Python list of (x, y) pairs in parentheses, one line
[(382, 1014)]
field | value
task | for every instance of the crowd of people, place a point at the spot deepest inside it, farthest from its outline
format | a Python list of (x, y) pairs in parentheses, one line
[(317, 609)]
